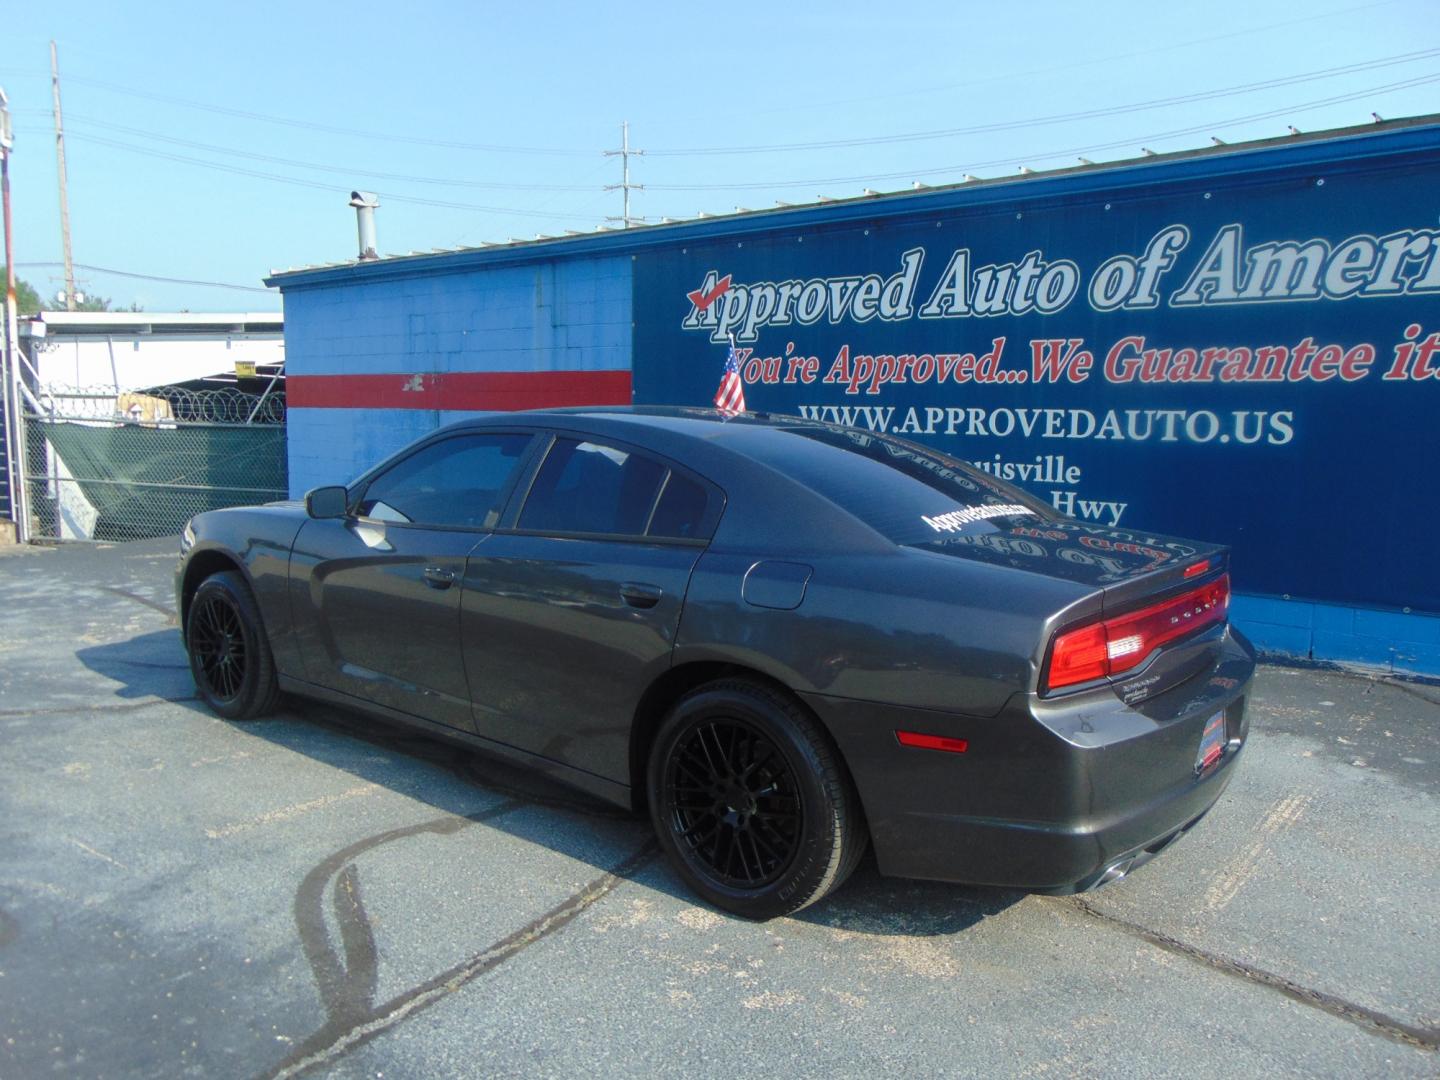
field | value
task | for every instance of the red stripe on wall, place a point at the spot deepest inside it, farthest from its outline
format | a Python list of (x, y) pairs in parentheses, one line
[(504, 391)]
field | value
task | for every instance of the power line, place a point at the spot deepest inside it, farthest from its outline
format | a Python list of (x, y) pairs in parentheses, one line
[(1107, 111), (369, 135), (781, 147), (298, 182), (1151, 49), (1059, 118), (316, 166), (144, 277), (830, 144), (464, 238), (863, 178), (1130, 141)]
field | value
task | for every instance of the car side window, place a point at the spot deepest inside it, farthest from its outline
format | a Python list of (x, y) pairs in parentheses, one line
[(681, 511), (587, 487), (456, 482)]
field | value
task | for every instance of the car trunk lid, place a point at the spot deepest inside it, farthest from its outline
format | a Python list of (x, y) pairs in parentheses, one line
[(1125, 565)]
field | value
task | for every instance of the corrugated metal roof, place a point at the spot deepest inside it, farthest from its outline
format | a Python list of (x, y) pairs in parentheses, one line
[(1222, 158)]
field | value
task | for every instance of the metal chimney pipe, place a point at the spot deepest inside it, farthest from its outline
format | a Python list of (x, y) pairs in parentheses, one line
[(365, 203)]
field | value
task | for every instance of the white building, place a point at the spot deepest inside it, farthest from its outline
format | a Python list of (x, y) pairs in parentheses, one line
[(98, 368), (121, 350)]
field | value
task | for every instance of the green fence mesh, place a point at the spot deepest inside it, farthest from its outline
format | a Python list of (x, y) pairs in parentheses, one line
[(129, 481)]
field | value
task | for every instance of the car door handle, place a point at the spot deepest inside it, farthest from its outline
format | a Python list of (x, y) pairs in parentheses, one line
[(639, 595), (437, 577)]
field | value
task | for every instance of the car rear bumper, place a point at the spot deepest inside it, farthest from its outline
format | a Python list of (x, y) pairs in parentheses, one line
[(1052, 796)]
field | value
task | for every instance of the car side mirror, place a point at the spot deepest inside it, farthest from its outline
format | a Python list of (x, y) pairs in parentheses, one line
[(327, 502)]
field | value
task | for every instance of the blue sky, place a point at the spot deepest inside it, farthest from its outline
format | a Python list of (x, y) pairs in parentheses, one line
[(537, 91)]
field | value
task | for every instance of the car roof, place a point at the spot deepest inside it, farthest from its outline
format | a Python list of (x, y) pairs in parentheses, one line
[(697, 422)]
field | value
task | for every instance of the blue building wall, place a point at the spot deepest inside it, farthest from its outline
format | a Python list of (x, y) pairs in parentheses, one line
[(351, 349), (334, 446), (1393, 642)]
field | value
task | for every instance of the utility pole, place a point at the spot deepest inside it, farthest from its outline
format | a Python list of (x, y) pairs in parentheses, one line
[(60, 163), (9, 369), (625, 186)]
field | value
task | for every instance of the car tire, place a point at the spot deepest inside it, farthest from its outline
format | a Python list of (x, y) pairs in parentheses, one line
[(230, 655), (751, 802)]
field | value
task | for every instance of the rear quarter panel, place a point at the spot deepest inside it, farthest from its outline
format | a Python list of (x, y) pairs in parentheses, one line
[(904, 628)]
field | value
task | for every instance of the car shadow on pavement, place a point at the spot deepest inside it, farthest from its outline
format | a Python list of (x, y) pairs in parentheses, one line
[(146, 666), (153, 665)]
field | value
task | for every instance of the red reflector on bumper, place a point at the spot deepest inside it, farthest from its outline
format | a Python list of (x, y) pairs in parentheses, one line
[(932, 742)]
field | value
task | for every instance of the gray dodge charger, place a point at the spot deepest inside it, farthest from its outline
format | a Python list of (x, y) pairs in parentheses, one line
[(785, 641)]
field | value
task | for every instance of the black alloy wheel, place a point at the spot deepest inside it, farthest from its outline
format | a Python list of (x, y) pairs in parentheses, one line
[(229, 655), (734, 802), (218, 641), (751, 801)]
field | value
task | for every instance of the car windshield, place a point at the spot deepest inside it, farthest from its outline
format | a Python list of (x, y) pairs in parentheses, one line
[(906, 493)]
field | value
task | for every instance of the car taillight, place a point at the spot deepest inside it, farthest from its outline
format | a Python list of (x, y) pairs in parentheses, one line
[(1123, 642)]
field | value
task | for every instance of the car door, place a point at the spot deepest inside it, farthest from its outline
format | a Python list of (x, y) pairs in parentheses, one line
[(570, 608), (380, 589)]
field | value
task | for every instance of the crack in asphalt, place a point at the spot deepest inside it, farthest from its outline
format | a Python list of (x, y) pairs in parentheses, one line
[(1375, 1022), (347, 986), (1413, 689), (1406, 683), (129, 706), (169, 612), (148, 664)]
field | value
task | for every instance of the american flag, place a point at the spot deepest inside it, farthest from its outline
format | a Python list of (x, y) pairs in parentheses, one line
[(730, 398)]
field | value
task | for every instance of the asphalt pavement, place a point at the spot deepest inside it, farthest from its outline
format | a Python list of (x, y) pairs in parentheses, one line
[(317, 893)]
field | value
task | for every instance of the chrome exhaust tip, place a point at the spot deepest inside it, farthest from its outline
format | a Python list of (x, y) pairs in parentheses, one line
[(1115, 871)]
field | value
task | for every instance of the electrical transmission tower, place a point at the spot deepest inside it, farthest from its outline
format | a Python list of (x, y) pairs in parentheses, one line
[(625, 186)]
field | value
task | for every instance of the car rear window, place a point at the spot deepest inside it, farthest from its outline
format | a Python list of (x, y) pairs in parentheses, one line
[(908, 494), (587, 487)]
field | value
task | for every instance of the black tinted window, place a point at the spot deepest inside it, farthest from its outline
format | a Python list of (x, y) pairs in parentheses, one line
[(682, 509), (456, 482), (906, 493), (590, 488)]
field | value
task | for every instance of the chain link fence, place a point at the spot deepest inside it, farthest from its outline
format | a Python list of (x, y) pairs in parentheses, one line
[(7, 478), (106, 466), (179, 404)]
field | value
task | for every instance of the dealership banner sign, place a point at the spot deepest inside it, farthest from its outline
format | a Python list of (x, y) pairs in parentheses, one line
[(1257, 363)]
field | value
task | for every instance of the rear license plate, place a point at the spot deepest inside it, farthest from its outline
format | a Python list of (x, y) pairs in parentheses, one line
[(1212, 743)]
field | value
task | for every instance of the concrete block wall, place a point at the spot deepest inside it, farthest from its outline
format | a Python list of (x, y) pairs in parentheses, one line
[(1389, 642), (374, 365)]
